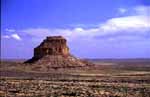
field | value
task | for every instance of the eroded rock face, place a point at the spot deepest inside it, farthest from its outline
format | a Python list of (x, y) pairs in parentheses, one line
[(53, 45), (53, 52)]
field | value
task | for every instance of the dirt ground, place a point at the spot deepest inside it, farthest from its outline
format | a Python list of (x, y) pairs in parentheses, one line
[(110, 78)]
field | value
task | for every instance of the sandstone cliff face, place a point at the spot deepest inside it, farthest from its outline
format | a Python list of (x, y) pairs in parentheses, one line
[(55, 45), (53, 53)]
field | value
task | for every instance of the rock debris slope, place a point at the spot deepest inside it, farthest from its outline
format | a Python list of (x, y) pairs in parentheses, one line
[(53, 53)]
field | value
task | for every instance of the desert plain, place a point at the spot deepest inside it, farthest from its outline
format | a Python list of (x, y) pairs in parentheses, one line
[(107, 78)]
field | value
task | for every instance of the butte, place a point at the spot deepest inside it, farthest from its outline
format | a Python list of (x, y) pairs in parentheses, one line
[(53, 53)]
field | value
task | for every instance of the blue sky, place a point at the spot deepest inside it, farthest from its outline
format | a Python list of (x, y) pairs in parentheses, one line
[(93, 28)]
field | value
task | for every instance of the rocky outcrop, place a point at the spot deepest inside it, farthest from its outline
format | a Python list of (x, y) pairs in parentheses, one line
[(53, 52), (53, 45)]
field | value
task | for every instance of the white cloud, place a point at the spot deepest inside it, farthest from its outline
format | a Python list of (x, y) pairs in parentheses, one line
[(137, 24), (124, 25), (122, 10), (79, 29), (6, 36), (16, 36), (10, 30), (43, 32), (144, 10), (38, 32), (129, 23)]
